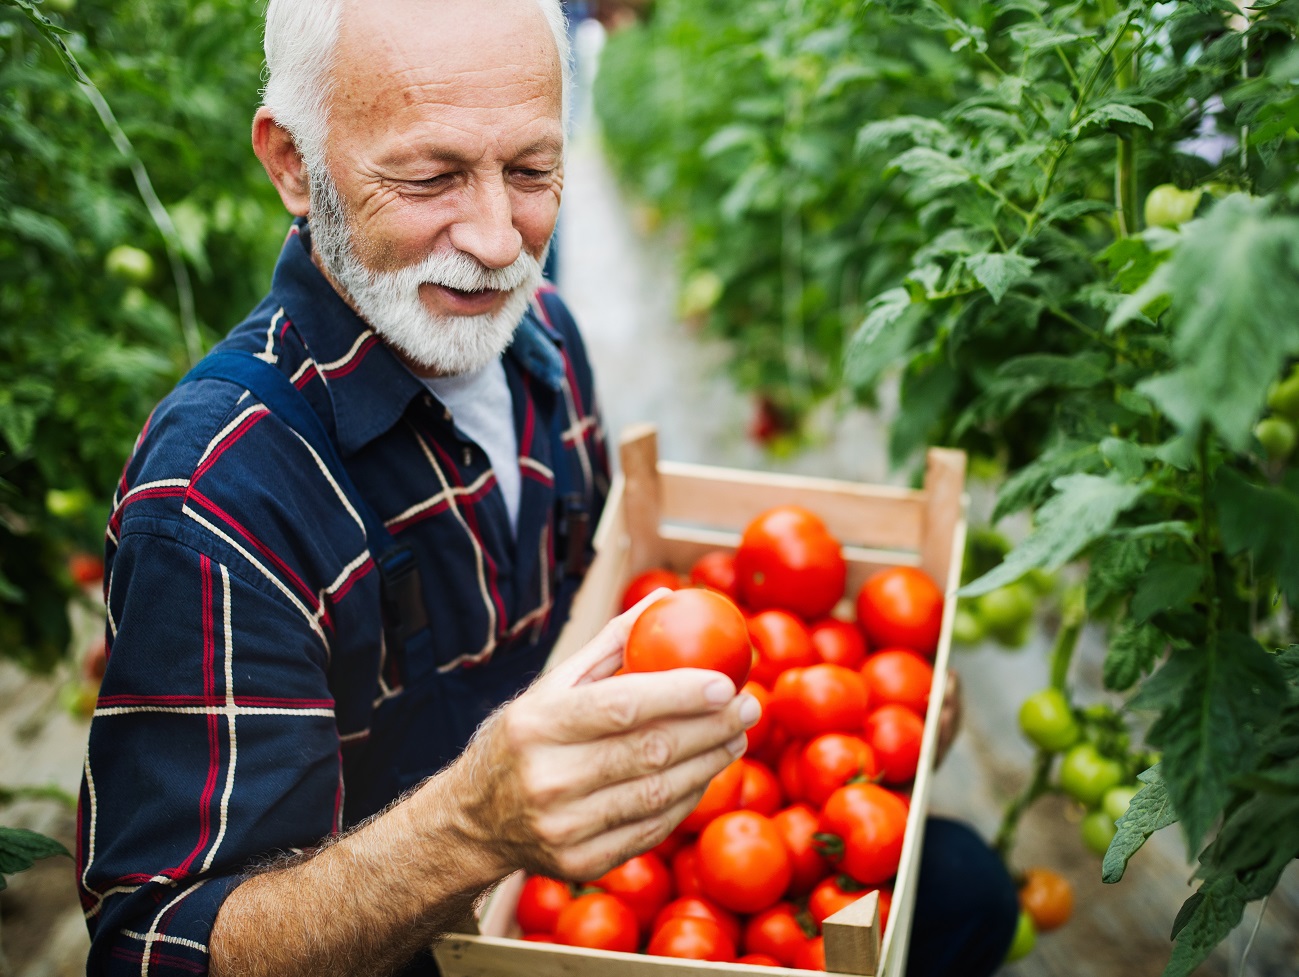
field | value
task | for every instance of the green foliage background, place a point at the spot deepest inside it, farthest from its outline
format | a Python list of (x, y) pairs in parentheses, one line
[(951, 193), (84, 354)]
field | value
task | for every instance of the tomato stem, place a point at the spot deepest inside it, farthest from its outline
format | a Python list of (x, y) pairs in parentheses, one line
[(1004, 843)]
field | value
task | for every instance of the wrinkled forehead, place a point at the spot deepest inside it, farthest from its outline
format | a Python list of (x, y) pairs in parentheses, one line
[(413, 56)]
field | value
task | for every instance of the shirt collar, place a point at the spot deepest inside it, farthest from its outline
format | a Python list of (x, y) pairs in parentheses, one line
[(370, 388)]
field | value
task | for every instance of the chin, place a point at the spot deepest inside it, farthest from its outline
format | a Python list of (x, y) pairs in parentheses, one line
[(446, 345)]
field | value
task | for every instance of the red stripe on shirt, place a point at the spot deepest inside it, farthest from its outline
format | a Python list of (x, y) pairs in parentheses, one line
[(213, 720), (230, 439), (355, 361)]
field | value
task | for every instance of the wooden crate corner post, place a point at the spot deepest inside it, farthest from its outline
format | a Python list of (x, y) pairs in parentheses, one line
[(643, 495), (852, 937)]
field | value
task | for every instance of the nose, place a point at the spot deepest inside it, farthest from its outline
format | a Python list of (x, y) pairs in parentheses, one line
[(486, 228)]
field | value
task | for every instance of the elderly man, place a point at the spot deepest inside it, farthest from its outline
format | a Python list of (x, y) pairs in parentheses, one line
[(353, 532)]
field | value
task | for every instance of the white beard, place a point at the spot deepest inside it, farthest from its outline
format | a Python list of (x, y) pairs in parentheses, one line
[(390, 302)]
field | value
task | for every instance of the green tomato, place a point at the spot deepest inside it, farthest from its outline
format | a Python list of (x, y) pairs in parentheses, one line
[(1006, 611), (1086, 774), (129, 264), (967, 629), (1117, 799), (1170, 206), (61, 6), (1283, 396), (1097, 830), (1025, 938), (66, 503), (701, 292), (1046, 719), (1277, 436), (1041, 581)]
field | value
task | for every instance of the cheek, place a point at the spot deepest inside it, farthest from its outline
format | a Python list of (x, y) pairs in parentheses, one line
[(534, 218)]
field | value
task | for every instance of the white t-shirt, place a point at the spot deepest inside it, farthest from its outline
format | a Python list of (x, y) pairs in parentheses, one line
[(481, 407)]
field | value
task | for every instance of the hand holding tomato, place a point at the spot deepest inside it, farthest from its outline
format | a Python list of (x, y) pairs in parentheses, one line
[(587, 768)]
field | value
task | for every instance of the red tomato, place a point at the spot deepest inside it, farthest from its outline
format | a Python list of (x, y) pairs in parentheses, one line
[(901, 607), (691, 938), (798, 824), (894, 733), (540, 903), (838, 642), (644, 885), (86, 570), (716, 571), (644, 584), (781, 642), (788, 559), (759, 732), (776, 932), (898, 676), (670, 845), (743, 863), (759, 960), (819, 699), (789, 772), (702, 908), (832, 895), (832, 760), (773, 749), (812, 955), (868, 824), (599, 921), (685, 871), (761, 790), (539, 938), (1047, 896), (722, 795), (690, 629)]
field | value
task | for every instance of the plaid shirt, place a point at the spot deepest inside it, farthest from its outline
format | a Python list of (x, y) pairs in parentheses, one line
[(251, 705)]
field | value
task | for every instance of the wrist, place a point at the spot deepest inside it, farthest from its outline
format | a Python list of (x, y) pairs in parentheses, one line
[(446, 816)]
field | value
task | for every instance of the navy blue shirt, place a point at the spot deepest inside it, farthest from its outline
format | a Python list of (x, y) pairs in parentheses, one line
[(252, 705)]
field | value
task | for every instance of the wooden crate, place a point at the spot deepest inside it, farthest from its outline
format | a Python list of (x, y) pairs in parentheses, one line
[(662, 513)]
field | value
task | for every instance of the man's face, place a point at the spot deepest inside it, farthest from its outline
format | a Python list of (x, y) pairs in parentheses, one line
[(435, 202)]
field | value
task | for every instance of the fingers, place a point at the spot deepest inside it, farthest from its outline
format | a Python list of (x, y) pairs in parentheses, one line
[(624, 703)]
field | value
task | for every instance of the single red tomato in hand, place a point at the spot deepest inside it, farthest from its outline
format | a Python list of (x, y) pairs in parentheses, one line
[(722, 795), (761, 790), (838, 642), (646, 583), (644, 885), (691, 938), (812, 955), (776, 932), (540, 902), (743, 863), (898, 676), (598, 921), (798, 825), (901, 607), (832, 760), (781, 642), (690, 629), (788, 559), (894, 733), (716, 571), (819, 699), (865, 825), (703, 908)]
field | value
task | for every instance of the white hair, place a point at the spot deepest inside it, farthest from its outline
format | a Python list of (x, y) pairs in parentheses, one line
[(301, 42)]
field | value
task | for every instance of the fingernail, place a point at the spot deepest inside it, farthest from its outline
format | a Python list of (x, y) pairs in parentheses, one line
[(750, 709), (719, 691), (738, 745)]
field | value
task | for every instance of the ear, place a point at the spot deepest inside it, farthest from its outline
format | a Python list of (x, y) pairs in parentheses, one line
[(279, 154)]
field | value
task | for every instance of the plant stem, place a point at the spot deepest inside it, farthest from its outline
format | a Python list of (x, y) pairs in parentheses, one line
[(1004, 842), (1210, 582), (1073, 617), (9, 795)]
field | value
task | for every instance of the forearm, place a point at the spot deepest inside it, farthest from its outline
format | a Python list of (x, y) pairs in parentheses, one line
[(364, 904)]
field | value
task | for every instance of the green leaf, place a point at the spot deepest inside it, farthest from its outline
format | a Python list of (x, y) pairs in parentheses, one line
[(51, 32), (1233, 327), (1211, 700), (1125, 457), (884, 335), (20, 849), (1084, 509), (1031, 485), (999, 271), (39, 229), (876, 136), (933, 170), (1167, 584), (1116, 565), (1132, 652), (1263, 521), (1204, 922), (1150, 811), (1113, 112)]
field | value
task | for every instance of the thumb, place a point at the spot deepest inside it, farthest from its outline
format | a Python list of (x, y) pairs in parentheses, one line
[(602, 655)]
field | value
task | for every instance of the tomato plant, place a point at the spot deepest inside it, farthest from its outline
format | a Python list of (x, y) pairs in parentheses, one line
[(690, 629)]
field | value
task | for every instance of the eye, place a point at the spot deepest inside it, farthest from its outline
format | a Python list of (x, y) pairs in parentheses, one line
[(533, 176)]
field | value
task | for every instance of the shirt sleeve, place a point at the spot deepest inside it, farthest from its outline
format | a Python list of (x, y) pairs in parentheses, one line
[(213, 748)]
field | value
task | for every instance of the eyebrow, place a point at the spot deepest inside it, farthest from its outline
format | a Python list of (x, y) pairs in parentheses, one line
[(546, 144)]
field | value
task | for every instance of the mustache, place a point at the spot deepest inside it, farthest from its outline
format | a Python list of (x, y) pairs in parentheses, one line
[(464, 273)]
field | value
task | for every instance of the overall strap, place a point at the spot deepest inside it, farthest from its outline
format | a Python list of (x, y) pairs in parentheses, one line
[(403, 607)]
